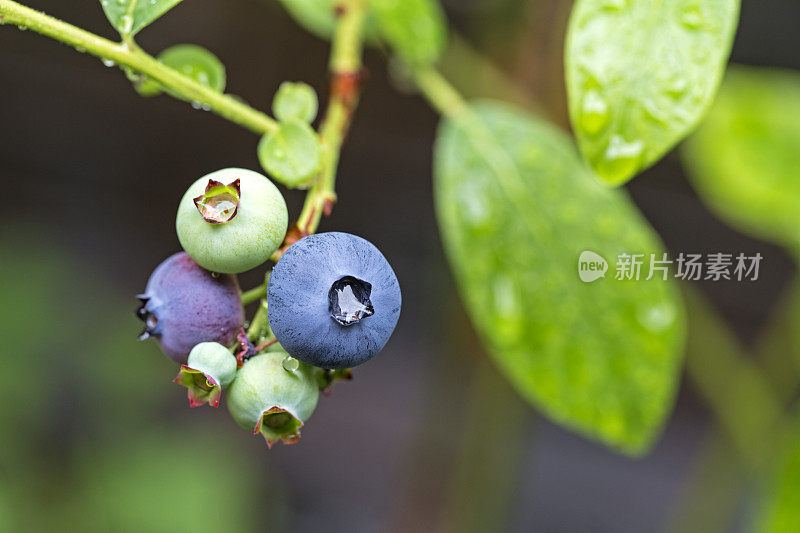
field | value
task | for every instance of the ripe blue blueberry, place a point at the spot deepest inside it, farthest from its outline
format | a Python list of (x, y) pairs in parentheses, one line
[(333, 300), (184, 305)]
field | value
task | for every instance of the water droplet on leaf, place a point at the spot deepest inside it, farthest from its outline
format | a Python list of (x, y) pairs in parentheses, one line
[(615, 5), (621, 159), (656, 318), (594, 113), (692, 18)]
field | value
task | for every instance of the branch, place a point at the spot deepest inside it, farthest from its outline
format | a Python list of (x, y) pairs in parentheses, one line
[(346, 77), (125, 54)]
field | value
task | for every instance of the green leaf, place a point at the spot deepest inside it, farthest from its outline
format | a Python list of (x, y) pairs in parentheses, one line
[(744, 158), (517, 208), (292, 155), (415, 29), (130, 16), (295, 101), (641, 75), (319, 17), (190, 60), (780, 512)]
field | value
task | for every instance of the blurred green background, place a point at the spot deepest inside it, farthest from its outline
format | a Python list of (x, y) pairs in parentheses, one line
[(94, 436)]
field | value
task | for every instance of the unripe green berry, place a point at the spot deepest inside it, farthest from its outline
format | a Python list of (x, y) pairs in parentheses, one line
[(211, 367), (267, 398), (231, 220)]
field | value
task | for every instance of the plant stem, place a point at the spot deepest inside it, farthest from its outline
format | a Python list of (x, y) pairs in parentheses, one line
[(440, 94), (346, 76), (254, 294), (259, 326), (125, 54)]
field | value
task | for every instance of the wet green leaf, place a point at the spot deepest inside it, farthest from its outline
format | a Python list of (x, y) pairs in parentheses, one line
[(292, 155), (780, 512), (415, 29), (744, 158), (641, 75), (517, 208), (295, 101), (129, 16), (190, 60)]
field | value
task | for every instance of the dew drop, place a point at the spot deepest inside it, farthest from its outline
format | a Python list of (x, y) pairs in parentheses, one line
[(621, 159), (197, 105), (348, 300), (615, 5), (656, 318), (692, 18), (21, 28), (290, 364), (127, 23), (108, 62), (215, 274), (594, 113), (677, 88), (205, 107)]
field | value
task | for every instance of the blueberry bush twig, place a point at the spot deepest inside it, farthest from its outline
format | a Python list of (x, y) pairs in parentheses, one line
[(129, 55), (347, 74)]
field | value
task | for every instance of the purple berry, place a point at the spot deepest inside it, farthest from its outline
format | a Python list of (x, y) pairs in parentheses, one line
[(184, 305)]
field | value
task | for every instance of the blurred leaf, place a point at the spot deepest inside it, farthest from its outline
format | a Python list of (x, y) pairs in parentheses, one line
[(291, 155), (173, 482), (641, 75), (129, 16), (190, 60), (415, 29), (516, 208), (295, 101), (744, 158), (780, 511), (319, 17)]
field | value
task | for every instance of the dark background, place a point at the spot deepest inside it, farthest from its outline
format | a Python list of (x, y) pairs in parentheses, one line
[(92, 175)]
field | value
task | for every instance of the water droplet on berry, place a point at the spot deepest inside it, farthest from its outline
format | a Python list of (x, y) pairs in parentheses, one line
[(349, 301), (290, 364)]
